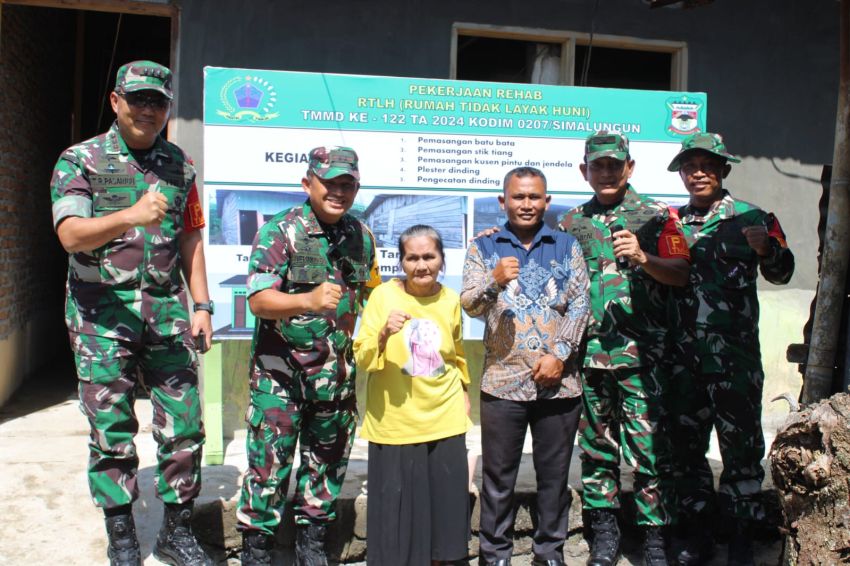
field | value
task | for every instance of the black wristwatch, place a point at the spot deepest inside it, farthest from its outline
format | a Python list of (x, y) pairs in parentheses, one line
[(209, 307)]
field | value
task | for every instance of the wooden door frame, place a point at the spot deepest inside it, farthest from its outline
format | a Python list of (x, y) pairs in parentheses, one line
[(164, 9)]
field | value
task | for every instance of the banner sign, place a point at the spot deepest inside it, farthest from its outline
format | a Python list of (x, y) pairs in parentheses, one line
[(431, 152)]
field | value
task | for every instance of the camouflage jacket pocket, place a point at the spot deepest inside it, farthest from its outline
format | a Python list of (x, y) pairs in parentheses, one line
[(736, 266), (303, 331), (107, 201), (354, 273), (176, 199), (307, 269)]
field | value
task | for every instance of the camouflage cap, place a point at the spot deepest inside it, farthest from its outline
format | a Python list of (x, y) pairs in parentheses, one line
[(702, 141), (605, 144), (144, 75), (327, 163)]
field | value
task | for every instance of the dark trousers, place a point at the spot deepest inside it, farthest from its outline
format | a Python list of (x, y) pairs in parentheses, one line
[(553, 429), (418, 503)]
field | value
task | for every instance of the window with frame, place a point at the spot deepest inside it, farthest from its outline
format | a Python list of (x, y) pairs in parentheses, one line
[(522, 55)]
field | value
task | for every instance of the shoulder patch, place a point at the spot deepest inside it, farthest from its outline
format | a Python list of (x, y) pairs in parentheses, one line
[(677, 245)]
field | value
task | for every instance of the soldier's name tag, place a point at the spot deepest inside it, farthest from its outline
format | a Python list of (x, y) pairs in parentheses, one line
[(307, 268), (113, 200), (586, 234), (583, 232), (101, 180)]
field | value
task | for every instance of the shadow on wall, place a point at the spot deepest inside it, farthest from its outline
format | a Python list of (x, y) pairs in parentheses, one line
[(52, 384)]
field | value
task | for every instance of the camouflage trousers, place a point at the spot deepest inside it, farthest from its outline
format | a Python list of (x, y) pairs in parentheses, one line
[(622, 411), (108, 372), (730, 403), (324, 431)]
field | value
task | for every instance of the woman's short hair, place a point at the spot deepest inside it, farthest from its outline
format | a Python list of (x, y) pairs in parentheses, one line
[(419, 230)]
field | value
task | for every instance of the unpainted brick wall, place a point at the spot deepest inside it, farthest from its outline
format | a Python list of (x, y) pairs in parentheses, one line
[(36, 74)]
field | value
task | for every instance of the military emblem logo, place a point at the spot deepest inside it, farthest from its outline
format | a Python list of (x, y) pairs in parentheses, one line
[(684, 115), (248, 99)]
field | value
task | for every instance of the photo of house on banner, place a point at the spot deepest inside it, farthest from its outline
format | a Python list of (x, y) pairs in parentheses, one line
[(237, 215), (388, 215)]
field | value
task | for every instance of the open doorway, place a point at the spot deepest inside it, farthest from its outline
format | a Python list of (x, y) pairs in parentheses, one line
[(108, 41), (58, 65)]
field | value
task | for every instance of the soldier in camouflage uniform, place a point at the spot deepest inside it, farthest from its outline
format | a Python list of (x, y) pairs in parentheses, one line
[(634, 249), (719, 380), (126, 208), (310, 272)]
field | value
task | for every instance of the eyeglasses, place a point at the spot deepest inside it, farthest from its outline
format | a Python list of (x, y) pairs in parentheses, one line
[(143, 100), (707, 167), (333, 184)]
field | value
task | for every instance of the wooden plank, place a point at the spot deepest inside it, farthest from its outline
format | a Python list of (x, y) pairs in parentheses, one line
[(79, 66), (118, 6)]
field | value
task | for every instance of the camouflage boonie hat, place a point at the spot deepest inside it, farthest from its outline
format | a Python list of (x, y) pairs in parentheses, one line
[(144, 75), (604, 144), (705, 141), (327, 163)]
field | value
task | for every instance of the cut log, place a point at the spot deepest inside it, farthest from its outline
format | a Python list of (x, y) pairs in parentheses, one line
[(810, 464)]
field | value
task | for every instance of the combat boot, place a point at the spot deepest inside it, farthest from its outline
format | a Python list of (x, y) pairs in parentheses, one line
[(654, 547), (310, 546), (741, 546), (256, 548), (123, 549), (605, 549), (698, 547), (175, 543)]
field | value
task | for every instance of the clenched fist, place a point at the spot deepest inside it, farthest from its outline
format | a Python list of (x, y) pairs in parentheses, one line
[(325, 297), (149, 210), (547, 371), (506, 270), (758, 239), (395, 322)]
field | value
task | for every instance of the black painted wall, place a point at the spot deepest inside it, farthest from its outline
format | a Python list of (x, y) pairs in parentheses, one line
[(770, 67)]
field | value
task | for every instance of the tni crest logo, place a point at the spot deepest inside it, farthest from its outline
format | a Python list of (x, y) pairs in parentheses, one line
[(248, 99)]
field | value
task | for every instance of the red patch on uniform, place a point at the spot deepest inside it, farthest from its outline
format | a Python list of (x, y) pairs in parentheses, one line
[(775, 230), (197, 214), (677, 245)]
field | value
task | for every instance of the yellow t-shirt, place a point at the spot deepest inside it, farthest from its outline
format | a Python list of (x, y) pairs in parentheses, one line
[(415, 388)]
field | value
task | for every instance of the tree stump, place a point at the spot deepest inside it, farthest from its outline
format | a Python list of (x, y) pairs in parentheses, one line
[(810, 464)]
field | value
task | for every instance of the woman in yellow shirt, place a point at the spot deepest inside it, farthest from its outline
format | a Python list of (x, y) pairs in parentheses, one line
[(417, 412)]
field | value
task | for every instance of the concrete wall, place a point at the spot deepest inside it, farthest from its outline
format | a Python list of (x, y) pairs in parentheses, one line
[(770, 68), (35, 128)]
